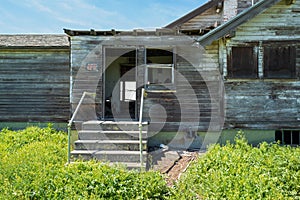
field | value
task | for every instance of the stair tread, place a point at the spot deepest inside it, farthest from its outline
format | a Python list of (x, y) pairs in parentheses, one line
[(104, 140), (115, 152), (129, 164), (115, 122), (110, 132), (111, 141)]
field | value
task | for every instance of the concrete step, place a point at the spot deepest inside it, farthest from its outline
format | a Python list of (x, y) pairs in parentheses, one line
[(130, 165), (110, 155), (113, 125), (110, 135), (129, 145)]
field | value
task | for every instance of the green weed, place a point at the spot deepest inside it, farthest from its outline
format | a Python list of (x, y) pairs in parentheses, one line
[(32, 166), (240, 171)]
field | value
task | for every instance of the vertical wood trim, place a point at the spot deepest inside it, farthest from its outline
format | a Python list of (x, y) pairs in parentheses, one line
[(174, 65), (260, 62), (103, 81), (222, 60), (141, 72), (229, 61)]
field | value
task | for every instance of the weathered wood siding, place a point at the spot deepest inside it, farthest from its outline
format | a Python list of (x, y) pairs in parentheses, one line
[(34, 83), (262, 104), (265, 103), (85, 51), (280, 22), (244, 4), (209, 18), (196, 102), (192, 88)]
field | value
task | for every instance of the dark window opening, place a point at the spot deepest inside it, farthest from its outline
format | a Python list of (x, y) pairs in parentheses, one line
[(159, 68), (242, 63), (287, 137), (279, 62)]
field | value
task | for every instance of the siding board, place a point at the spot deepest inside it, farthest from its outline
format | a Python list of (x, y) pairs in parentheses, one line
[(34, 84), (177, 112), (264, 103)]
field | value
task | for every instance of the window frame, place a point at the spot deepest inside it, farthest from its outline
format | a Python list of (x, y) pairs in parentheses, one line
[(230, 69), (160, 66), (267, 72), (161, 87), (259, 55)]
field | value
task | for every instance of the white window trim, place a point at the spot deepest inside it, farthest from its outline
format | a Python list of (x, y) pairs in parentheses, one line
[(160, 66)]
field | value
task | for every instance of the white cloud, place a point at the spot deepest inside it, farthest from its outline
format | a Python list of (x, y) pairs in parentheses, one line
[(51, 16)]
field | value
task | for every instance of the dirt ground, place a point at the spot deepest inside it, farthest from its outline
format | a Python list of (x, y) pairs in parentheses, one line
[(180, 166)]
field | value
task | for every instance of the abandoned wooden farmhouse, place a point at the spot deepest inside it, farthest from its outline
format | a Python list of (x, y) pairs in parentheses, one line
[(225, 66)]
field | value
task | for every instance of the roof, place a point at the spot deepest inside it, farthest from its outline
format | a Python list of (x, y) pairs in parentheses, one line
[(194, 13), (233, 23), (137, 32), (31, 40)]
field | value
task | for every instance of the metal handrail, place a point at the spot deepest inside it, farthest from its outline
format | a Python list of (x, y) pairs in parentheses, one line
[(141, 128), (71, 121)]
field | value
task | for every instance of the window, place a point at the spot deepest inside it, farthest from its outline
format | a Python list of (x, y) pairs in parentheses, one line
[(264, 60), (160, 73), (242, 63), (127, 91), (159, 68), (279, 61), (287, 137)]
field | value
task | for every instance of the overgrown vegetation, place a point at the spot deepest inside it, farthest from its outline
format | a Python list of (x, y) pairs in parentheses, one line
[(32, 166), (240, 171)]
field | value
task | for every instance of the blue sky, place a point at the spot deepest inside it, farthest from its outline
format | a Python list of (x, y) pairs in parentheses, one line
[(51, 16)]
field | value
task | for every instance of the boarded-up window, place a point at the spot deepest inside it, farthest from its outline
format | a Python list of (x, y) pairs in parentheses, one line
[(279, 62), (242, 63)]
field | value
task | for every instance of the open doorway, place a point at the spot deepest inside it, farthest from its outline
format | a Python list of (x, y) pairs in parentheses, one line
[(120, 84)]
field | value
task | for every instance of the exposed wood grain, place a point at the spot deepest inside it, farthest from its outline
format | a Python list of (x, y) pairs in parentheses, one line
[(34, 81)]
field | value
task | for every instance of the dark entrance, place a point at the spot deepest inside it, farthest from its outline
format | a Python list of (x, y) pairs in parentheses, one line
[(120, 84)]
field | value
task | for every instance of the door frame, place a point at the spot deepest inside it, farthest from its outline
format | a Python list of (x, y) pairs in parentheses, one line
[(104, 78)]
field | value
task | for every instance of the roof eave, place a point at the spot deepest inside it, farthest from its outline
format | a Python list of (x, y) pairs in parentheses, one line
[(193, 13)]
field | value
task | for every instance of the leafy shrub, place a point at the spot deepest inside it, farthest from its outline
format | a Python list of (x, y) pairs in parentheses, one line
[(240, 171), (32, 166)]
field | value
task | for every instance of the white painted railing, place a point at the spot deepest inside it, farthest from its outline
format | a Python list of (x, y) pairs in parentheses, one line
[(141, 128)]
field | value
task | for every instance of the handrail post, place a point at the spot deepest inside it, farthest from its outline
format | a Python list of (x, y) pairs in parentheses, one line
[(69, 144), (70, 125), (141, 128)]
